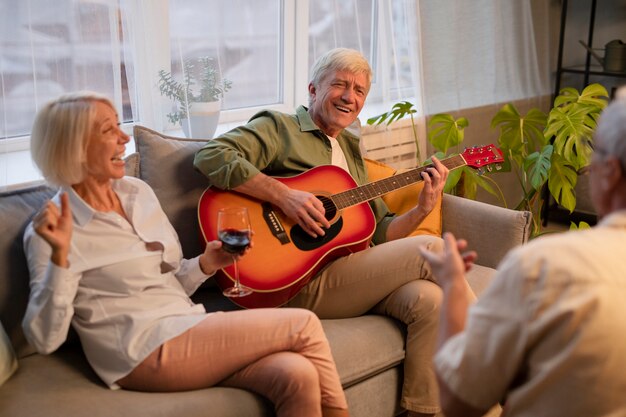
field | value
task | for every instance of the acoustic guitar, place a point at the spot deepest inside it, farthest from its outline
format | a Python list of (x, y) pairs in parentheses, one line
[(284, 256)]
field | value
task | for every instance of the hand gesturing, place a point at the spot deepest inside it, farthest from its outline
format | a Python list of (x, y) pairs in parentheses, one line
[(55, 227)]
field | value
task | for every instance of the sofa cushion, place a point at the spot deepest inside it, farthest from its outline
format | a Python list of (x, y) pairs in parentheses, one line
[(364, 346), (131, 163), (17, 208), (166, 164), (63, 384), (8, 361), (404, 199)]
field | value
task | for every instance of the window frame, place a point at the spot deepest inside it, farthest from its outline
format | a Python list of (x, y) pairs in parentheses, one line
[(151, 48)]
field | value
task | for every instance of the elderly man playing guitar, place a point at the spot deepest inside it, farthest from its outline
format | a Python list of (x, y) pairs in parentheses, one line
[(389, 277)]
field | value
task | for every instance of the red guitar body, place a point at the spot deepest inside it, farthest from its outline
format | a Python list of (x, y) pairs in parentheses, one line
[(284, 257), (277, 268)]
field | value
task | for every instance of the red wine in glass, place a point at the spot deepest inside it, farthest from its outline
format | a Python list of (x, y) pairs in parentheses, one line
[(234, 241), (233, 230)]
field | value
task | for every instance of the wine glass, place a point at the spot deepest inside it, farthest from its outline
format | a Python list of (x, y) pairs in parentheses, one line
[(233, 230)]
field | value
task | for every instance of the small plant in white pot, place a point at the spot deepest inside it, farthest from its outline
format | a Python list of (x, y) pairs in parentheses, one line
[(198, 96)]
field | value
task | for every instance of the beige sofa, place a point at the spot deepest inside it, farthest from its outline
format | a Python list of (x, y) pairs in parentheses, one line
[(369, 350)]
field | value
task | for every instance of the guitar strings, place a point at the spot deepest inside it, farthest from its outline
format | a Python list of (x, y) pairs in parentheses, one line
[(378, 188)]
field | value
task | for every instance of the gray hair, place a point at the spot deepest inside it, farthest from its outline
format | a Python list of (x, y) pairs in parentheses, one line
[(611, 129), (340, 59), (60, 135)]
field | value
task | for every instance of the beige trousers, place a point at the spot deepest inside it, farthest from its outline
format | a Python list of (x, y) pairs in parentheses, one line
[(281, 354), (394, 280)]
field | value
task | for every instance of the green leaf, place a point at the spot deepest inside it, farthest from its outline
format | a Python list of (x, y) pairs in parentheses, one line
[(580, 226), (519, 135), (398, 111), (594, 95), (453, 179), (572, 121), (567, 96), (446, 132), (537, 167), (572, 130), (563, 178), (473, 180)]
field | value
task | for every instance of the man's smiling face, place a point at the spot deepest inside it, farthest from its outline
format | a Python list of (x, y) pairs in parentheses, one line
[(337, 101)]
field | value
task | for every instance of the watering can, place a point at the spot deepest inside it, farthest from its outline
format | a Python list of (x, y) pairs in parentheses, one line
[(614, 56)]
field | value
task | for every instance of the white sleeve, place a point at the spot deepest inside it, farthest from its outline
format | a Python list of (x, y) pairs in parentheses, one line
[(190, 275), (52, 292)]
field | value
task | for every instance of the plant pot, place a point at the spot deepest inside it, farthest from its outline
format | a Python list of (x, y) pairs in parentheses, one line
[(202, 121)]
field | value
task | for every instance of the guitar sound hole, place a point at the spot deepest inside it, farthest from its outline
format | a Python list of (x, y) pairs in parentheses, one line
[(304, 241), (329, 207)]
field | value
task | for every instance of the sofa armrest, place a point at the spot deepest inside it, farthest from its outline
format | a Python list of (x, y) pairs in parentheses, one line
[(490, 230)]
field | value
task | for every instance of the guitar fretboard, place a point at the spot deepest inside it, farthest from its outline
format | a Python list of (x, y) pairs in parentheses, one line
[(378, 188)]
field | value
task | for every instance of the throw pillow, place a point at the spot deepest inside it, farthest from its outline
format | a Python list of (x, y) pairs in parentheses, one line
[(167, 166), (131, 163), (402, 200), (8, 362)]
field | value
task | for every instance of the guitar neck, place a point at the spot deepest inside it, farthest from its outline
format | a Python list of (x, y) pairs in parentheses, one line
[(378, 188)]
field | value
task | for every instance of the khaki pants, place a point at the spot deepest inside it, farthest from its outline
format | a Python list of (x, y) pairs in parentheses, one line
[(281, 354), (390, 279)]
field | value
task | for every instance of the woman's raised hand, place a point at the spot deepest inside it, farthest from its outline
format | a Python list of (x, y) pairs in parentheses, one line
[(55, 227)]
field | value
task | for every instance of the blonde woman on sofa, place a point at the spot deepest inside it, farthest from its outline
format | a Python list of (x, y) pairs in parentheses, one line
[(104, 258)]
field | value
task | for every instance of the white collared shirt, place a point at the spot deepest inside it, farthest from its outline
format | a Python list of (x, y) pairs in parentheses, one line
[(126, 290)]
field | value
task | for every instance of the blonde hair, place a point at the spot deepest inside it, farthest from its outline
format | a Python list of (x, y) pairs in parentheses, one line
[(60, 135), (340, 59)]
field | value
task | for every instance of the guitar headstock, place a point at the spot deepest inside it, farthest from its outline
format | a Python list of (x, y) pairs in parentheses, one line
[(483, 156)]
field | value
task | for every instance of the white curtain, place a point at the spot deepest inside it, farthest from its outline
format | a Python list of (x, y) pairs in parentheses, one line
[(442, 55), (386, 32), (46, 49), (483, 52)]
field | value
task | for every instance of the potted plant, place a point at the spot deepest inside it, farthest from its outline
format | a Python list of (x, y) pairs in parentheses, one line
[(197, 97), (551, 150), (444, 133), (543, 150)]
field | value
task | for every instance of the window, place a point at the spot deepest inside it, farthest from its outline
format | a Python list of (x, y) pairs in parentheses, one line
[(244, 37), (385, 31), (48, 48), (264, 47)]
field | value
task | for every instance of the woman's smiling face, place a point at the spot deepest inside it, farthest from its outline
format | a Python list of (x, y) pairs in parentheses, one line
[(337, 101), (107, 144)]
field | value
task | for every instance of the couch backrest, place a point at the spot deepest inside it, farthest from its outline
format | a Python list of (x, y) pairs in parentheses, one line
[(166, 164), (16, 210), (17, 207)]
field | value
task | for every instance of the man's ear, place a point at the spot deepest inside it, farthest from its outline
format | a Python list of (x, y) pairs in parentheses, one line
[(311, 90), (613, 173)]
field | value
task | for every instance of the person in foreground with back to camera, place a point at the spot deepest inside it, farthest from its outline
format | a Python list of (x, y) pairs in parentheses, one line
[(104, 258), (548, 336), (389, 278)]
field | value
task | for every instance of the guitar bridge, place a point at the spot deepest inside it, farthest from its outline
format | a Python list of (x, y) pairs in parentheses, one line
[(273, 222)]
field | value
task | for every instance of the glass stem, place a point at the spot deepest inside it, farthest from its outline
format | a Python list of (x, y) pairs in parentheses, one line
[(237, 285)]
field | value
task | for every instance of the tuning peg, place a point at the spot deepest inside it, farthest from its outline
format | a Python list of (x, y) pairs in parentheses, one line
[(498, 167), (489, 168), (480, 171)]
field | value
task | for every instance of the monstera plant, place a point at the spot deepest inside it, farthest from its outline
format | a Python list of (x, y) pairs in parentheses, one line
[(446, 135), (550, 149), (542, 150)]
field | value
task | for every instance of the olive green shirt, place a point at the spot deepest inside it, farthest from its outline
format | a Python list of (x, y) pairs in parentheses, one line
[(282, 145)]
